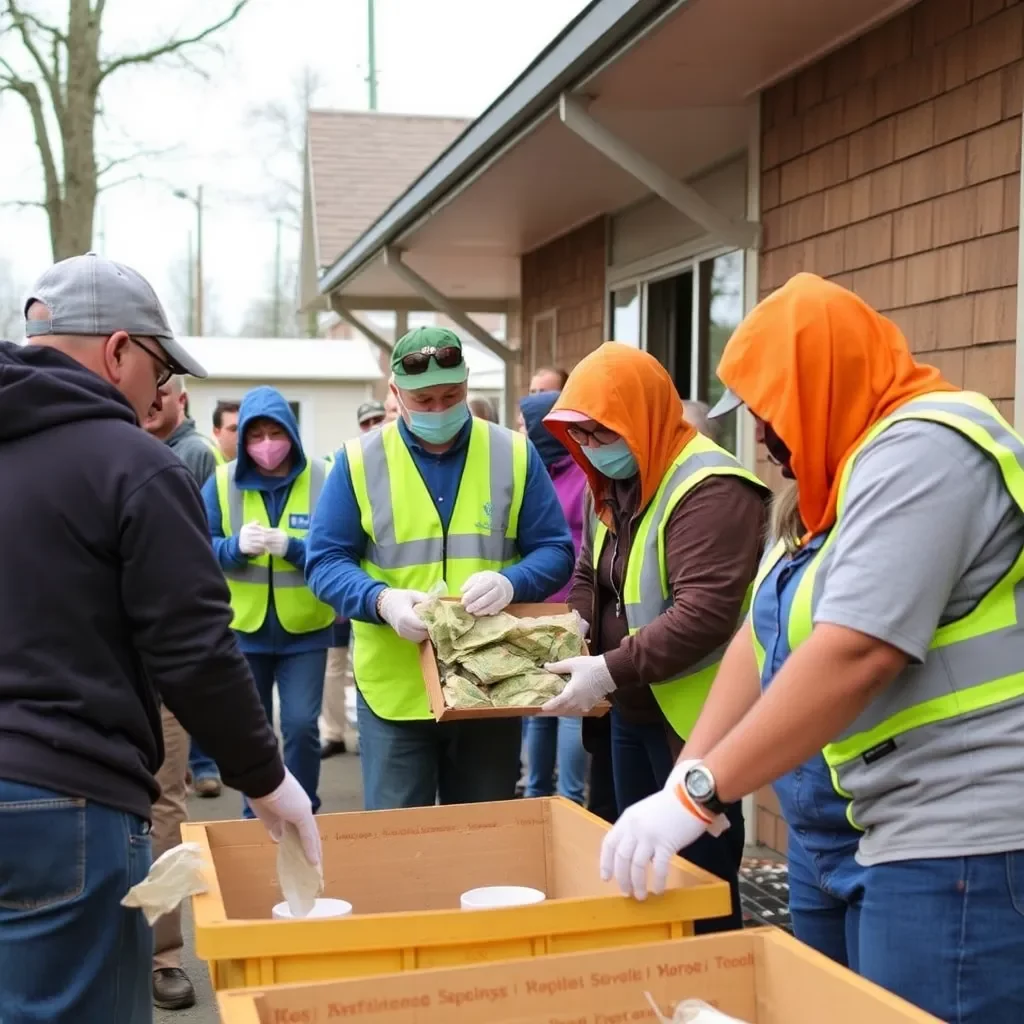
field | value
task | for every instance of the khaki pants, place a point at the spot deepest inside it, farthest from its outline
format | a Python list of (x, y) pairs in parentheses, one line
[(332, 713), (169, 812)]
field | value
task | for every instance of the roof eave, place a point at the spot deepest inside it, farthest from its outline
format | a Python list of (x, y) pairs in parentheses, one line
[(588, 40)]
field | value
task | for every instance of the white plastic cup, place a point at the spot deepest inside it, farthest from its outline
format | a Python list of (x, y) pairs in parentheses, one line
[(321, 908), (491, 897)]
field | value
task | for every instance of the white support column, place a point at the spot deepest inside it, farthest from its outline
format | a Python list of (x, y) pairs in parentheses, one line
[(687, 200), (436, 300), (353, 321)]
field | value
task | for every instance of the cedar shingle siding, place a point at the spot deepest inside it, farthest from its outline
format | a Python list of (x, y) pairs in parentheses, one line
[(893, 167)]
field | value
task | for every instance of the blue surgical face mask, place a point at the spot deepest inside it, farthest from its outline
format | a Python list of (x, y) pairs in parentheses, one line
[(614, 460), (438, 427)]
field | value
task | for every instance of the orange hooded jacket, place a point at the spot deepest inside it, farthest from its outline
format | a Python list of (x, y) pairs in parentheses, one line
[(630, 392), (821, 367)]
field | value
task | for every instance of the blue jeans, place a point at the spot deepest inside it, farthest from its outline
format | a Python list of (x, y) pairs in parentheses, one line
[(421, 763), (69, 952), (948, 935), (300, 687), (548, 738), (202, 765), (642, 761), (826, 890)]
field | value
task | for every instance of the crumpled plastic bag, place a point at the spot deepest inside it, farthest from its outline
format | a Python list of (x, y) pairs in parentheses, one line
[(301, 882), (497, 661), (173, 877), (692, 1011)]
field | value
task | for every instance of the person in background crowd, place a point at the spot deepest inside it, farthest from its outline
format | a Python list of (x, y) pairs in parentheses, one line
[(259, 508), (333, 717), (696, 414), (370, 415), (172, 989), (663, 575), (556, 740), (477, 511), (225, 429), (905, 649), (390, 407), (112, 603), (483, 409), (547, 379)]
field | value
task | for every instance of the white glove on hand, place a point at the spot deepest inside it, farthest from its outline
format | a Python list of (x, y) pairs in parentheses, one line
[(277, 542), (584, 626), (653, 831), (289, 804), (252, 539), (486, 593), (589, 683), (398, 609)]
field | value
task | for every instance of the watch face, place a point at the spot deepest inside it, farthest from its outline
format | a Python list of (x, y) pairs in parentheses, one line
[(699, 784)]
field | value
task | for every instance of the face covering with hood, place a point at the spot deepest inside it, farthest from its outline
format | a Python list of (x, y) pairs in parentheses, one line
[(436, 427), (821, 367), (534, 408), (266, 455), (630, 392), (269, 453)]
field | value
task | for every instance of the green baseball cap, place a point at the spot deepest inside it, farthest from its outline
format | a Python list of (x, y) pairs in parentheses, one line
[(427, 343)]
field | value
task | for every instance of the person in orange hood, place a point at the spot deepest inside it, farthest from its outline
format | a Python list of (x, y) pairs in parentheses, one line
[(885, 639), (668, 555)]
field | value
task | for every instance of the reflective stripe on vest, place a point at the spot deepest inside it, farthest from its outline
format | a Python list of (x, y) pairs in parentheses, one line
[(297, 609), (973, 663), (407, 547), (218, 455), (646, 593)]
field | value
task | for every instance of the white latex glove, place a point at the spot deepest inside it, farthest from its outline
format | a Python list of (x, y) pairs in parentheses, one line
[(398, 609), (252, 539), (583, 625), (486, 593), (589, 683), (653, 831), (290, 805), (277, 542)]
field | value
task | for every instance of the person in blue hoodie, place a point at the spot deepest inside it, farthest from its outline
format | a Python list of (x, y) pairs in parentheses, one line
[(259, 508)]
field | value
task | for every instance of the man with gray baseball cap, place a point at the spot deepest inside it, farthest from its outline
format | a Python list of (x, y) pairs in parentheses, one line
[(111, 602)]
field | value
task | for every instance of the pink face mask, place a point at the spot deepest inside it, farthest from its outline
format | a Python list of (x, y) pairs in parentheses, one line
[(268, 453)]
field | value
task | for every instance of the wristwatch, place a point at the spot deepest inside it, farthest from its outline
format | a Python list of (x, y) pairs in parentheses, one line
[(700, 787)]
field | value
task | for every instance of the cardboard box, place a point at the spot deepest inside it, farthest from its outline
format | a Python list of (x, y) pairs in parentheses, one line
[(761, 976), (443, 713), (404, 871)]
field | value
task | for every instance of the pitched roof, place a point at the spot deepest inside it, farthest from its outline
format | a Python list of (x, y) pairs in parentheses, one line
[(361, 162)]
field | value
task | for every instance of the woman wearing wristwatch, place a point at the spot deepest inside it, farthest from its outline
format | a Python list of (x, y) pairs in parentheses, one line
[(906, 653)]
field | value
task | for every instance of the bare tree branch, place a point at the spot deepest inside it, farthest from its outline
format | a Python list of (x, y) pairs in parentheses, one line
[(173, 45), (23, 204), (21, 23), (141, 154), (107, 186), (38, 22)]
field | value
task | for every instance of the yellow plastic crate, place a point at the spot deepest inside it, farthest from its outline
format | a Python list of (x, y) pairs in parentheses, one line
[(403, 871), (760, 975)]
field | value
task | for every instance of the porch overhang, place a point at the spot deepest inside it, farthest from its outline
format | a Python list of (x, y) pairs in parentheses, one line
[(634, 97)]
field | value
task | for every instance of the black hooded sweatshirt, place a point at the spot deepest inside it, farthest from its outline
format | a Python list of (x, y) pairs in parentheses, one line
[(110, 599)]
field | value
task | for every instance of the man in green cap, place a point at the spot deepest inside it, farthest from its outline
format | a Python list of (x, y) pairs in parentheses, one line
[(435, 496)]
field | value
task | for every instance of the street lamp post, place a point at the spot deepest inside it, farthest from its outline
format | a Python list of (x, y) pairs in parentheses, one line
[(197, 202)]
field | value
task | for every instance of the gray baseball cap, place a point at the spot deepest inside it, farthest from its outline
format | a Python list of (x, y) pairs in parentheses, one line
[(90, 295)]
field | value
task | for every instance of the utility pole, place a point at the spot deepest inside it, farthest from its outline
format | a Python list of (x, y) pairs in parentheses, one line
[(199, 261), (372, 77), (191, 287), (277, 283)]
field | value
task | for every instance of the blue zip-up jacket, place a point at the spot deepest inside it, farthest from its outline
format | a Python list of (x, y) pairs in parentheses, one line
[(271, 637), (336, 541), (811, 806)]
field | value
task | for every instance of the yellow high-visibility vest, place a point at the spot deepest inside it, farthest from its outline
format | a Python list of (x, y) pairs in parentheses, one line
[(408, 548), (298, 610), (645, 591), (973, 663)]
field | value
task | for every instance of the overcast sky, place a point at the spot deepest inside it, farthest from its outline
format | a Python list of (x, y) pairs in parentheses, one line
[(433, 57)]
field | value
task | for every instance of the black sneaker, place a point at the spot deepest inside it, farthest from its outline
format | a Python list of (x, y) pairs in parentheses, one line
[(331, 747), (172, 990)]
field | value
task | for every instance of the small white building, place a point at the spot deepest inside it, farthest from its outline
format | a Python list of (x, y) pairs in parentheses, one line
[(324, 379)]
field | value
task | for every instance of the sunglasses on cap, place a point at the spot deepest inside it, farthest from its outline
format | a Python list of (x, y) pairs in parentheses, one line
[(417, 362)]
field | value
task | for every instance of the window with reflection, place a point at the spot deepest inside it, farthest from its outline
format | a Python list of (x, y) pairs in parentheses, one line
[(625, 315)]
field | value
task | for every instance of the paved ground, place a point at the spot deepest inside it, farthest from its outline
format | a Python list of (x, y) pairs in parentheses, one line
[(340, 790), (763, 883)]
